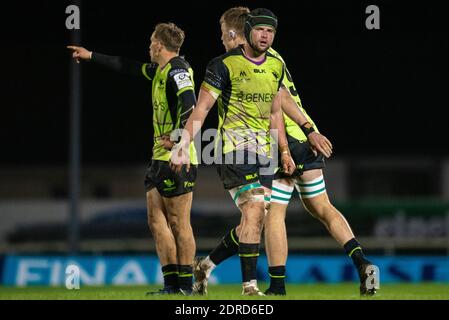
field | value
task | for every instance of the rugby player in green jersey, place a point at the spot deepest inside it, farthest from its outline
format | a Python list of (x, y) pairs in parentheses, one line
[(245, 82), (308, 180), (169, 194)]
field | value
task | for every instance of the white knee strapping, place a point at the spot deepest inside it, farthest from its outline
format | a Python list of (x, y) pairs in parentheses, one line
[(281, 193), (312, 188), (253, 192)]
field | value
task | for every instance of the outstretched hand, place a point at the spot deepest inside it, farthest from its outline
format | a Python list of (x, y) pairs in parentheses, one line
[(80, 53)]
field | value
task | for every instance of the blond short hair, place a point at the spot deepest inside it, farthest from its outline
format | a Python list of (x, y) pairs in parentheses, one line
[(170, 35), (235, 19)]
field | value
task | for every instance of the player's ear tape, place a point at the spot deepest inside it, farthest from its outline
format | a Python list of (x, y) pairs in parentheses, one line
[(307, 128), (232, 34)]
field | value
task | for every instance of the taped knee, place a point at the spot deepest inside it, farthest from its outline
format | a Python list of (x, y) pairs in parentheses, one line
[(253, 192), (312, 188)]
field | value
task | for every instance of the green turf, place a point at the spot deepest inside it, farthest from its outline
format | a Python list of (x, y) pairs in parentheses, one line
[(232, 292)]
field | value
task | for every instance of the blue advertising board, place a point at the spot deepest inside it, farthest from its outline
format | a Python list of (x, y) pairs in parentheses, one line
[(145, 269)]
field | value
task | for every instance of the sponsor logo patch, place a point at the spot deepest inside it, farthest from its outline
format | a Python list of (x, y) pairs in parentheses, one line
[(183, 80)]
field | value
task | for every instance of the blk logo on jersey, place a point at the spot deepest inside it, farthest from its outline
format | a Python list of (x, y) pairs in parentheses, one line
[(251, 176)]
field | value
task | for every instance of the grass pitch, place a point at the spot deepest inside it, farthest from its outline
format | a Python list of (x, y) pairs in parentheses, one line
[(346, 291)]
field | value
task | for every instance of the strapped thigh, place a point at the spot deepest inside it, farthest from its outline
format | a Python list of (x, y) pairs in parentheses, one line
[(312, 188), (253, 192), (281, 193)]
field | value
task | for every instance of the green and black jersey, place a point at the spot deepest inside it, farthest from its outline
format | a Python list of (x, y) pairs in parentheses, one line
[(173, 95), (291, 127), (244, 90)]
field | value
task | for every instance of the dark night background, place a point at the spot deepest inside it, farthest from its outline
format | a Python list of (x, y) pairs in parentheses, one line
[(372, 92)]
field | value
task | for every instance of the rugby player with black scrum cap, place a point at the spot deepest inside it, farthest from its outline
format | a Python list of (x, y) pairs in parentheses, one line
[(304, 140), (245, 82), (168, 194)]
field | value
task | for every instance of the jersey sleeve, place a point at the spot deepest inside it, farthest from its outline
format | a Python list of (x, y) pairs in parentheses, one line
[(216, 78), (124, 65), (182, 83), (281, 78)]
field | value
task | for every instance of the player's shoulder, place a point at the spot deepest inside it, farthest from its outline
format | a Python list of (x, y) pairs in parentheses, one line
[(178, 64), (231, 53), (237, 51), (273, 54), (276, 61)]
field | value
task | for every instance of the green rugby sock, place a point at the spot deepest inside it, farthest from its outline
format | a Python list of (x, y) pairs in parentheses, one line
[(277, 279), (170, 273), (185, 277), (248, 260), (354, 250)]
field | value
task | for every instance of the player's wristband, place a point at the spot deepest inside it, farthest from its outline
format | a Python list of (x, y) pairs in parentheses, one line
[(307, 128)]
